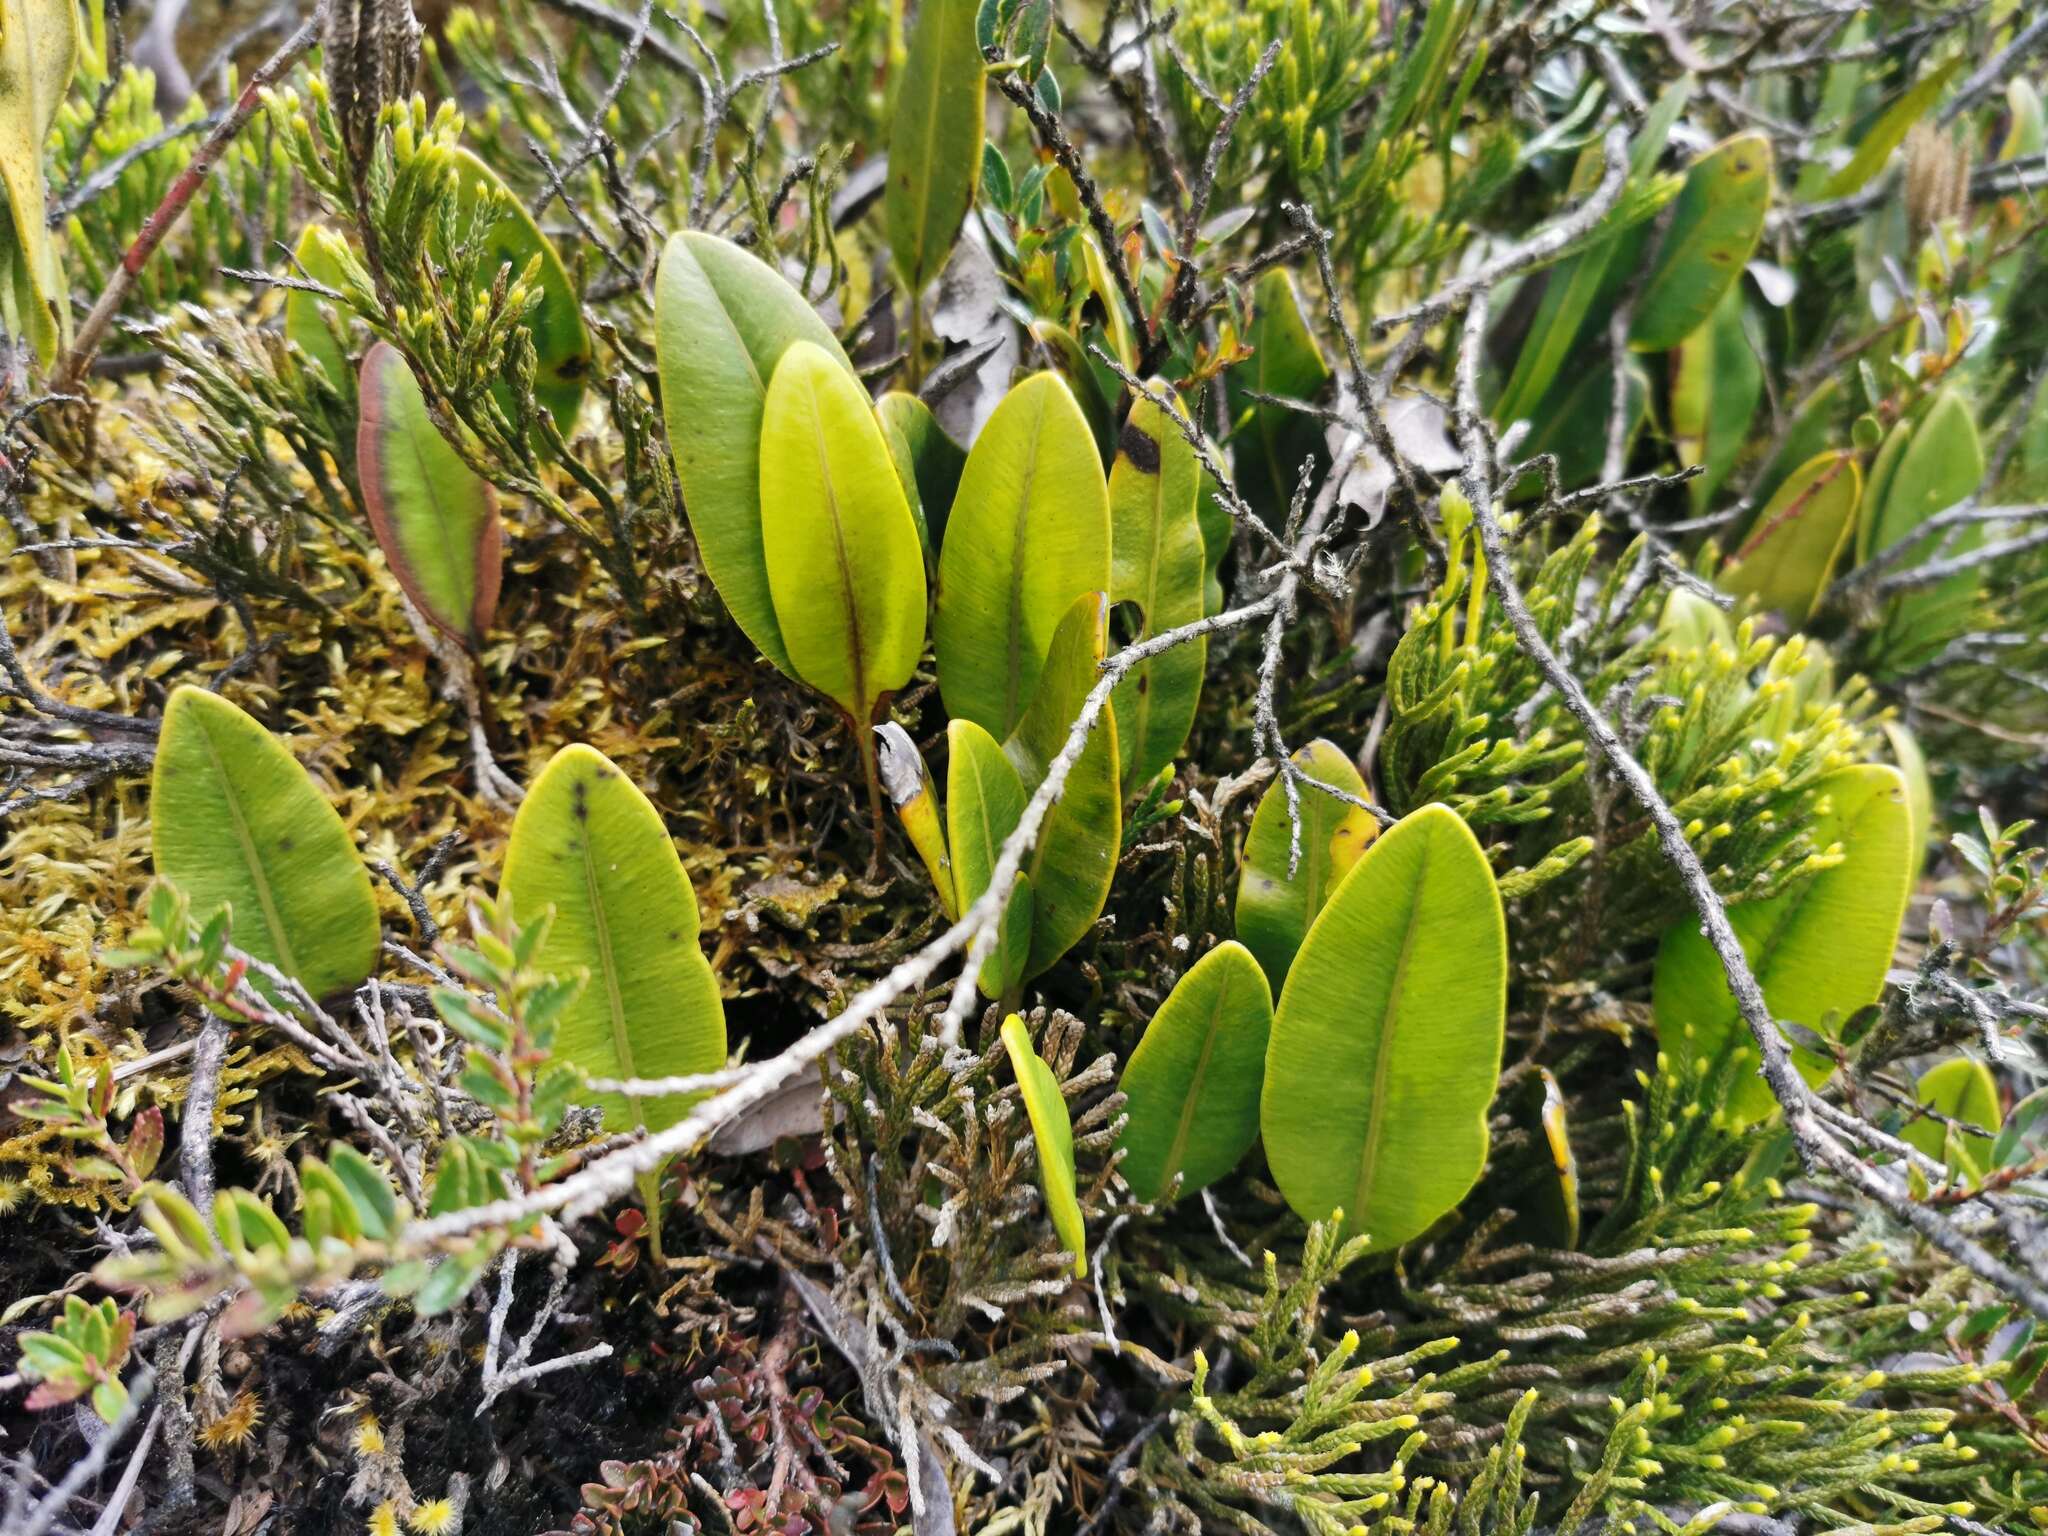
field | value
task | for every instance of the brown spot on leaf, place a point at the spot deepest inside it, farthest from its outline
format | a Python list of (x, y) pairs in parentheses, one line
[(1137, 446)]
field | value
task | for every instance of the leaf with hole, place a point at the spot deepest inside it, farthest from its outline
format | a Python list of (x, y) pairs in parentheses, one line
[(435, 518), (935, 136), (588, 844), (1797, 540), (1712, 231), (1074, 859), (1387, 1041), (1193, 1082), (1819, 950), (1961, 1089), (1277, 899), (1157, 565), (722, 320), (845, 569), (1029, 533), (235, 821), (1053, 1129)]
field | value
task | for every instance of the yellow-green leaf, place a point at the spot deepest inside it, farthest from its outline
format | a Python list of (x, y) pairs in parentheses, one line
[(236, 822), (319, 259), (934, 139), (1713, 230), (1193, 1082), (1716, 385), (1790, 555), (1029, 533), (1934, 464), (1286, 360), (845, 569), (588, 845), (1053, 1129), (928, 462), (984, 801), (1961, 1089), (1819, 950), (1277, 899), (722, 320), (435, 518), (1387, 1042), (1075, 857), (1911, 762), (561, 341), (1890, 130), (1064, 356), (40, 42), (1157, 565)]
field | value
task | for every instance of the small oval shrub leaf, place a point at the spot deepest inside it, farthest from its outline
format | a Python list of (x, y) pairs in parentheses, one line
[(1819, 950), (587, 844), (935, 139), (1711, 234), (722, 320), (1029, 533), (1156, 564), (1053, 1129), (435, 518), (1193, 1082), (236, 822), (1961, 1089), (1387, 1042), (845, 568), (1275, 906)]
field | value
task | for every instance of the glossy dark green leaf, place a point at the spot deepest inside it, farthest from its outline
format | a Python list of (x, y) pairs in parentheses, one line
[(235, 821), (1797, 540), (935, 136), (1278, 899), (1053, 1129), (1075, 856), (984, 802), (1716, 386), (845, 568), (435, 518), (722, 320), (1028, 535), (1157, 565), (1387, 1042), (1286, 360), (588, 845), (561, 341), (1819, 950), (1712, 231), (1193, 1082)]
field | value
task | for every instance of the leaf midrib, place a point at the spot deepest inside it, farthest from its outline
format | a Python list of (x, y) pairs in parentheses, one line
[(287, 961), (1368, 1163), (1178, 1151), (1019, 544), (856, 649), (622, 1039)]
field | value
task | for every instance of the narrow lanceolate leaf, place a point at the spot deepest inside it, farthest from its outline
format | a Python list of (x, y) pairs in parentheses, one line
[(845, 569), (1278, 898), (935, 139), (587, 844), (561, 341), (1029, 534), (984, 801), (1961, 1089), (1075, 856), (1792, 549), (318, 259), (1193, 1082), (1285, 361), (928, 462), (1819, 951), (40, 42), (1387, 1041), (1053, 1129), (722, 320), (1712, 232), (1716, 385), (235, 821), (1890, 130), (435, 518), (1157, 565)]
